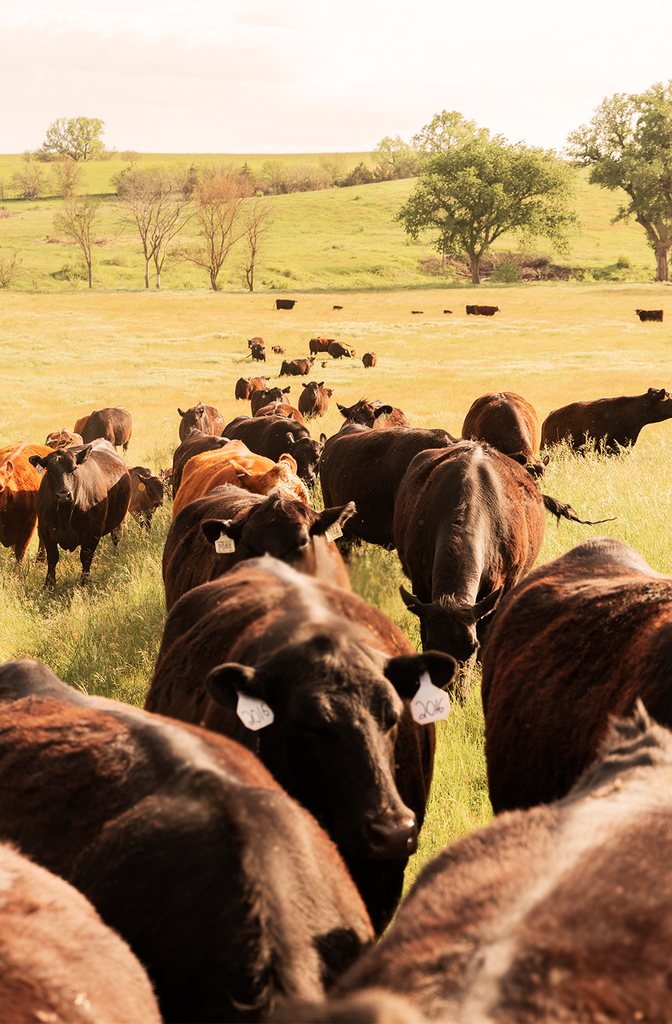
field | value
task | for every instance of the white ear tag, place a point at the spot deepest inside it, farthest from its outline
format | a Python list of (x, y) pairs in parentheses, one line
[(430, 704), (253, 713), (224, 545), (333, 532), (40, 470)]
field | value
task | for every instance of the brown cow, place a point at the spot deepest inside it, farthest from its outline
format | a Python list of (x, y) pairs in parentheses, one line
[(559, 913), (278, 350), (63, 439), (258, 352), (317, 345), (612, 422), (483, 310), (335, 672), (276, 408), (201, 417), (59, 961), (225, 888), (468, 524), (650, 314), (195, 443), (314, 399), (369, 359), (272, 436), (83, 496), (595, 624), (246, 385), (509, 423), (114, 424), (19, 486), (296, 367), (146, 495), (337, 350), (264, 396), (255, 525), (377, 415), (285, 303), (367, 467)]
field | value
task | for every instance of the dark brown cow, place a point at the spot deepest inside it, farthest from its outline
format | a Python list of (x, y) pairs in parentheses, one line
[(377, 415), (317, 345), (146, 495), (337, 307), (258, 352), (278, 350), (650, 314), (226, 890), (285, 303), (272, 436), (596, 625), (483, 310), (509, 423), (59, 961), (84, 495), (369, 359), (276, 408), (368, 466), (314, 399), (468, 524), (337, 350), (256, 525), (195, 443), (614, 422), (296, 367), (246, 385), (113, 424), (264, 396), (559, 913), (201, 417), (338, 676)]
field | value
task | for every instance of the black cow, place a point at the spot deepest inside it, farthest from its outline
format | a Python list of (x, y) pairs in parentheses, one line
[(285, 303), (614, 421), (258, 352), (338, 677), (650, 314), (226, 890), (84, 495), (114, 424), (272, 436)]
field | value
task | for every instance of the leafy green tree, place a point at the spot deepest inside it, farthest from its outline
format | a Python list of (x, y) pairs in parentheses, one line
[(628, 146), (445, 131), (395, 159), (76, 137), (77, 220), (474, 193)]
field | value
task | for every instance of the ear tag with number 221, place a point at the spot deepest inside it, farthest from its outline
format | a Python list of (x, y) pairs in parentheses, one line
[(253, 713), (430, 704)]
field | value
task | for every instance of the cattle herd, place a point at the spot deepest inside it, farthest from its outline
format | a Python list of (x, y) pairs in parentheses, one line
[(236, 850)]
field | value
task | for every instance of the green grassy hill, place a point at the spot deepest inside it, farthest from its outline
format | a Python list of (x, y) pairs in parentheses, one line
[(335, 239)]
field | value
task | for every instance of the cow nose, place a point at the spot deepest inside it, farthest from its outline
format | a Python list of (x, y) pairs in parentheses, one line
[(391, 839)]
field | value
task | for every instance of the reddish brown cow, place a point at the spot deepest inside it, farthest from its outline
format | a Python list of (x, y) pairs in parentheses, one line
[(468, 524), (296, 367), (337, 350), (195, 443), (83, 496), (367, 467), (113, 424), (256, 525), (369, 359), (314, 399), (335, 672), (483, 310), (613, 422), (201, 417), (317, 345), (278, 350), (59, 961), (62, 439), (377, 415), (19, 486), (281, 409), (272, 436), (77, 429), (225, 888), (264, 396), (559, 913), (146, 495), (509, 423), (246, 385), (595, 624)]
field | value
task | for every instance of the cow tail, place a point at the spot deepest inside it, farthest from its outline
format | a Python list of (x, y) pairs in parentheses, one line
[(562, 511)]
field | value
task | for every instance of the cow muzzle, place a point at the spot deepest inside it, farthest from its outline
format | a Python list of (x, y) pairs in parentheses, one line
[(388, 840)]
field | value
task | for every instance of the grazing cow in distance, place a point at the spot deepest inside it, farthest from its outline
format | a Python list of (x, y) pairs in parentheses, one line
[(418, 312), (614, 422), (650, 314), (337, 307), (258, 352), (285, 303), (596, 623), (254, 525), (224, 887), (367, 467), (264, 396), (296, 367), (314, 399), (146, 495), (278, 350), (369, 359), (84, 495), (271, 436), (62, 439), (194, 443), (19, 486), (114, 424), (447, 311), (337, 350), (377, 415), (483, 310), (59, 961), (468, 524), (559, 913), (317, 345), (338, 676), (202, 417), (509, 423)]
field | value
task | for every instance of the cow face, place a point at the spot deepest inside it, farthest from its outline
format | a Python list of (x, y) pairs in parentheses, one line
[(61, 469), (195, 418), (307, 453), (450, 625)]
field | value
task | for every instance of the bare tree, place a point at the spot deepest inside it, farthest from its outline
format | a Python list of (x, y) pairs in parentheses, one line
[(156, 201), (77, 221), (30, 180), (66, 176), (219, 207), (257, 217)]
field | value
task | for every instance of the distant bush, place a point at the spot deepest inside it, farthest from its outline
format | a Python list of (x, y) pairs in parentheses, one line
[(506, 270), (359, 175)]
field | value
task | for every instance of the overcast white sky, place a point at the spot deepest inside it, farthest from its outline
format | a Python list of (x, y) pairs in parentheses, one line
[(291, 76)]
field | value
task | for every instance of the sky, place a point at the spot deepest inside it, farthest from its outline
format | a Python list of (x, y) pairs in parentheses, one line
[(305, 76)]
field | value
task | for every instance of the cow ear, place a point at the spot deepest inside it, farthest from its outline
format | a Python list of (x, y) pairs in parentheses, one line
[(323, 439), (224, 683), (404, 671), (180, 411), (38, 460), (412, 602), (343, 411), (304, 385), (290, 440), (330, 516), (386, 409), (214, 528), (9, 468), (286, 390), (83, 455), (487, 605), (662, 395), (320, 385)]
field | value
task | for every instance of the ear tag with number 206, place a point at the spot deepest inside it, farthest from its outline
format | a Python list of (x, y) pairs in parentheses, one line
[(224, 545), (430, 704), (253, 713)]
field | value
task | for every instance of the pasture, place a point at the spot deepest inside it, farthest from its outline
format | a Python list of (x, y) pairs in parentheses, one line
[(62, 355)]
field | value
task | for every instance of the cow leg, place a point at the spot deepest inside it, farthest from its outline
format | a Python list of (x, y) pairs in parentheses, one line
[(21, 543), (86, 557), (52, 561), (115, 534)]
